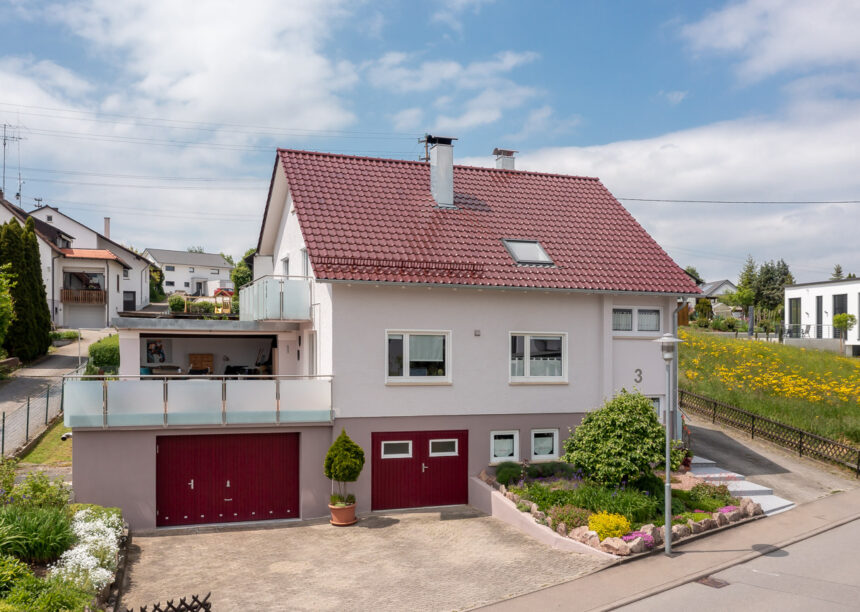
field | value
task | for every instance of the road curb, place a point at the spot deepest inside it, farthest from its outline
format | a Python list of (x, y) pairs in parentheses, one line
[(723, 566)]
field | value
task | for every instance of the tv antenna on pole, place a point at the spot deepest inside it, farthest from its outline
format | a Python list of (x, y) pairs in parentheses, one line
[(7, 138)]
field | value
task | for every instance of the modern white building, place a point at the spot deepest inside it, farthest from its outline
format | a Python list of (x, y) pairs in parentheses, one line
[(88, 277), (192, 273), (809, 311)]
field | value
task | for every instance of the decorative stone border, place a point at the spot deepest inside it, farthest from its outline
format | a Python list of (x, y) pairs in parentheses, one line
[(617, 547)]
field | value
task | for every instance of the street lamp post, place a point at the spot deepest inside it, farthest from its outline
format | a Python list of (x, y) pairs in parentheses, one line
[(667, 347)]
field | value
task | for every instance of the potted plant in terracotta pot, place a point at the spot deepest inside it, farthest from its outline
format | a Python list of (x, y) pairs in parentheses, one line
[(343, 463)]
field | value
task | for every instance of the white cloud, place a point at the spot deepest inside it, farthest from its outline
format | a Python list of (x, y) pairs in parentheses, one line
[(543, 121), (773, 36), (449, 12), (487, 107), (674, 98), (409, 119)]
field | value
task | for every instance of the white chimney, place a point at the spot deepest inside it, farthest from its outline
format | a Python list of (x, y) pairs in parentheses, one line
[(107, 227), (442, 170), (504, 158)]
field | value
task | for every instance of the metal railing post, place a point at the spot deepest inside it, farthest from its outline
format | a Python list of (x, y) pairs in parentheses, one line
[(753, 427), (800, 444), (281, 298), (27, 424), (104, 403), (165, 402), (47, 403), (277, 401), (714, 408), (223, 401)]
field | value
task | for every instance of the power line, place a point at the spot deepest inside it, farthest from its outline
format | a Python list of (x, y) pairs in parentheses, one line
[(126, 185), (144, 176), (740, 201)]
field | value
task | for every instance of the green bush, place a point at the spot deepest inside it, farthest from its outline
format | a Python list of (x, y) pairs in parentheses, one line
[(234, 302), (343, 463), (703, 323), (34, 534), (201, 307), (551, 469), (618, 442), (7, 478), (68, 334), (718, 324), (570, 515), (609, 525), (508, 472), (637, 506), (11, 571), (38, 490), (47, 595), (176, 303), (105, 352)]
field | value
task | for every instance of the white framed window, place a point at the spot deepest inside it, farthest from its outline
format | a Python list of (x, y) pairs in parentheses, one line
[(444, 447), (187, 284), (168, 283), (537, 357), (504, 446), (191, 269), (306, 263), (169, 268), (417, 357), (49, 218), (213, 271), (397, 449), (544, 444), (285, 266), (637, 320), (527, 252)]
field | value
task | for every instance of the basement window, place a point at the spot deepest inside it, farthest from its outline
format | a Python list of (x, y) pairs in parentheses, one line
[(527, 252)]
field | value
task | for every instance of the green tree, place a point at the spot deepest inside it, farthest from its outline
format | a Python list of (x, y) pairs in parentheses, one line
[(7, 305), (851, 275), (195, 249), (41, 329), (241, 274), (770, 285), (618, 442), (844, 323), (746, 280), (694, 273), (704, 310), (156, 285), (228, 258), (837, 273), (343, 463)]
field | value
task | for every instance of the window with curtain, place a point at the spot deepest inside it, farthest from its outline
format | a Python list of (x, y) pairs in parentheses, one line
[(544, 443), (622, 319), (504, 446), (422, 356), (537, 357), (649, 320), (636, 321)]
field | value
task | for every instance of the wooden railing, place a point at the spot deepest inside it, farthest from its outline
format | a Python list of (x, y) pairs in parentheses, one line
[(82, 296)]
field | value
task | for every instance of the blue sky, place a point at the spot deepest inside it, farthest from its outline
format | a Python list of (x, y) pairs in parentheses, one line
[(165, 117)]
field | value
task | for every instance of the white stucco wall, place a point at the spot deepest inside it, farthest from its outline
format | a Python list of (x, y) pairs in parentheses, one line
[(185, 278), (598, 363), (808, 294)]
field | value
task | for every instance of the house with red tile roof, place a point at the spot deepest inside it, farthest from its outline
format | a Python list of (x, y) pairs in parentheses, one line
[(448, 317)]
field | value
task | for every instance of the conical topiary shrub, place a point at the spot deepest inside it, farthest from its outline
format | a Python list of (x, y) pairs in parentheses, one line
[(343, 463)]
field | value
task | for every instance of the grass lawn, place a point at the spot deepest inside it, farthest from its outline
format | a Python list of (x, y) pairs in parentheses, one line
[(51, 450), (813, 390)]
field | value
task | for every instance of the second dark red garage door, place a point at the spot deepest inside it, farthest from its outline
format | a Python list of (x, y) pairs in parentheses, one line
[(419, 468), (226, 478)]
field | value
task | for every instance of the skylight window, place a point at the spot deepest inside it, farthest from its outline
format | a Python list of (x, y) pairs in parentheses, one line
[(528, 252)]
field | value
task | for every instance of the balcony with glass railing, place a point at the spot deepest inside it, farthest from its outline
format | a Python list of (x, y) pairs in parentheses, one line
[(276, 298), (181, 401)]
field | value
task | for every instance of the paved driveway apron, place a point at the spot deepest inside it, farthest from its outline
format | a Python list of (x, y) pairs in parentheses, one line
[(453, 559)]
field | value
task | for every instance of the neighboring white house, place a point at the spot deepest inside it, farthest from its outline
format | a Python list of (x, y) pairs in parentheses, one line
[(88, 277), (192, 273), (449, 318), (809, 310)]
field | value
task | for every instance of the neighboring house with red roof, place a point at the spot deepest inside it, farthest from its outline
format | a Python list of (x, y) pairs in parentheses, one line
[(88, 277), (448, 317)]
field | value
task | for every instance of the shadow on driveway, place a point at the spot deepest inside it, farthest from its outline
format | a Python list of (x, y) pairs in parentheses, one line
[(731, 454)]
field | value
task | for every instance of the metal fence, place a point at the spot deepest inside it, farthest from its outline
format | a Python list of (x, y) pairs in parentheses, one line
[(804, 442), (19, 426)]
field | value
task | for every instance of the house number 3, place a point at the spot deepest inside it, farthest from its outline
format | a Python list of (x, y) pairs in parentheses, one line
[(638, 375)]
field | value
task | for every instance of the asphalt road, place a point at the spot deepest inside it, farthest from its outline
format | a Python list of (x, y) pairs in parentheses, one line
[(821, 573)]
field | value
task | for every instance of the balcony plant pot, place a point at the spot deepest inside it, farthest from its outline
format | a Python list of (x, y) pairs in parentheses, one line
[(342, 515), (343, 463)]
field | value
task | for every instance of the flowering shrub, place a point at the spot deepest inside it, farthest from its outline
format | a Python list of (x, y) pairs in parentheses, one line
[(608, 525), (90, 564), (570, 515), (727, 509), (38, 490), (648, 539)]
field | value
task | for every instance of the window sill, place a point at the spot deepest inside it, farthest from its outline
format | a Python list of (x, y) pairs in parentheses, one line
[(544, 459), (418, 383), (636, 336), (536, 381), (509, 459)]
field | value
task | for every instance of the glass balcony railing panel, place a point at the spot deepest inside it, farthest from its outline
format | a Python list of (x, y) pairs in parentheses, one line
[(297, 299), (305, 400), (82, 403), (194, 402), (251, 401), (275, 298), (135, 402)]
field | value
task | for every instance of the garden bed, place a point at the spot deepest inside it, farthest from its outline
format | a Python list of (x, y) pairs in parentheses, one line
[(54, 555), (622, 521)]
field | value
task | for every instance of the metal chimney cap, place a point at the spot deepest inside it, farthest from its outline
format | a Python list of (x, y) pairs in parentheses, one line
[(443, 140), (504, 152)]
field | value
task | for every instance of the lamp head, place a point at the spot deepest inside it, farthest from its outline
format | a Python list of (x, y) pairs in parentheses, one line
[(667, 346)]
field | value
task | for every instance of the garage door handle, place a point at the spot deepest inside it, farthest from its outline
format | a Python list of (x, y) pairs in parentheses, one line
[(191, 484), (423, 467)]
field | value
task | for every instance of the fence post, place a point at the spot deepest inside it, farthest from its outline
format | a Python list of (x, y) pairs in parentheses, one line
[(714, 408), (800, 444), (753, 427), (27, 425), (47, 403), (858, 453), (3, 441)]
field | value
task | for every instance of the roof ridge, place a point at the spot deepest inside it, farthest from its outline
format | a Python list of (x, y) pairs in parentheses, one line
[(420, 163)]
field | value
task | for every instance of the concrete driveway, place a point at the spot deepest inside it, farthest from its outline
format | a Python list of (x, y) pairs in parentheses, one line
[(449, 559)]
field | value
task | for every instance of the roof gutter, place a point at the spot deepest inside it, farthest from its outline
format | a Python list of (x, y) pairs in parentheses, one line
[(506, 288)]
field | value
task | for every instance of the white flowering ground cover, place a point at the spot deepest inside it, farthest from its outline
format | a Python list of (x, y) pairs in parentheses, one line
[(91, 562)]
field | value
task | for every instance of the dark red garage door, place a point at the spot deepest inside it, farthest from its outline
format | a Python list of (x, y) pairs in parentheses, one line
[(225, 478), (419, 468)]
